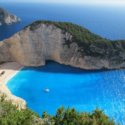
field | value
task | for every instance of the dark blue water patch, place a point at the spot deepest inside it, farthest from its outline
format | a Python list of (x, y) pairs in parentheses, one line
[(78, 88), (106, 21), (60, 69)]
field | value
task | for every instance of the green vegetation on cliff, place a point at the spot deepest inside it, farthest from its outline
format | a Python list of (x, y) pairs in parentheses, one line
[(10, 115), (89, 43)]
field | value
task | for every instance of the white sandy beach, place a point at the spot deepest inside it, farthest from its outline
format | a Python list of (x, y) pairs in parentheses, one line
[(11, 69)]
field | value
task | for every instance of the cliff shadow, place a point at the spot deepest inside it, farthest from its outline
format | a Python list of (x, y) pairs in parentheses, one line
[(50, 67), (54, 67)]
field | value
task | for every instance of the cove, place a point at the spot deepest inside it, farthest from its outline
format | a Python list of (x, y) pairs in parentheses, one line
[(72, 87)]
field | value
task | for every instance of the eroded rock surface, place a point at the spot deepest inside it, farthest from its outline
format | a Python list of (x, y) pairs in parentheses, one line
[(47, 42)]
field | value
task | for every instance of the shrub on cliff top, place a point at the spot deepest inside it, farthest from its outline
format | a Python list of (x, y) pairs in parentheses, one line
[(10, 115)]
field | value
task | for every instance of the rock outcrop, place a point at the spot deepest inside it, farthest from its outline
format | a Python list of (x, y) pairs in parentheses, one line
[(7, 18), (48, 42)]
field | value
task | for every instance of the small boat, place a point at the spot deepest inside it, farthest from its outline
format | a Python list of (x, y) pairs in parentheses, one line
[(47, 90)]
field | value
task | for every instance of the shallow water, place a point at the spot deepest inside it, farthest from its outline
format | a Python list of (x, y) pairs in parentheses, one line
[(78, 88)]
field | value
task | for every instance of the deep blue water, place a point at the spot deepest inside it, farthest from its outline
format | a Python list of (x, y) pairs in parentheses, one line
[(106, 21), (78, 88)]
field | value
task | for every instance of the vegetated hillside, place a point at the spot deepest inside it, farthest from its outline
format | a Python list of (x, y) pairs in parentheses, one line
[(90, 44), (10, 115)]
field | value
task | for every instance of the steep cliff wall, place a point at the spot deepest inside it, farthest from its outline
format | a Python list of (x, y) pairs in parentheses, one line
[(7, 18), (48, 42)]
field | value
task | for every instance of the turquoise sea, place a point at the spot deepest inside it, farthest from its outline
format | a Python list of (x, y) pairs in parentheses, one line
[(72, 87), (78, 88)]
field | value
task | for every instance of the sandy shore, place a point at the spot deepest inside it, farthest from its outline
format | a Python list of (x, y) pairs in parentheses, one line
[(11, 69)]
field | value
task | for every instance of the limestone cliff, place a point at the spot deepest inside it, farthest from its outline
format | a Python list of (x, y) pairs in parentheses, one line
[(48, 42), (7, 18)]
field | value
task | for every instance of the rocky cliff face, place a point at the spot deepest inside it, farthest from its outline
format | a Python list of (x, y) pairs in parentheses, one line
[(7, 18), (47, 42)]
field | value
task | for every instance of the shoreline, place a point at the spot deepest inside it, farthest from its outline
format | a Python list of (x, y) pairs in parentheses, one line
[(12, 75), (11, 69)]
